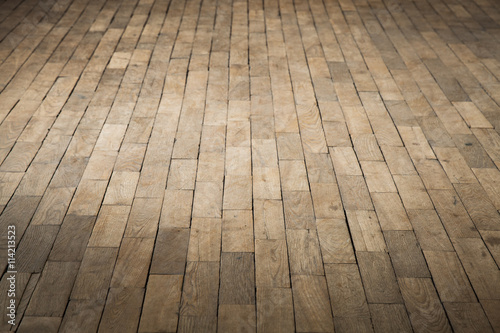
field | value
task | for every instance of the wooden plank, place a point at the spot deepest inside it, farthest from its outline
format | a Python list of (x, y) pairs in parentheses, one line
[(238, 161), (378, 277), (311, 131), (449, 277), (237, 281), (94, 276), (336, 134), (319, 168), (491, 240), (100, 165), (416, 143), (36, 179), (170, 251), (311, 304), (390, 211), (346, 291), (72, 238), (200, 293), (211, 166), (335, 242), (423, 305), (207, 200), (82, 316), (454, 165), (205, 240), (132, 264), (326, 201), (412, 192), (365, 231), (237, 192), (405, 254), (481, 210), (289, 146), (182, 174), (490, 140), (176, 210), (472, 151), (236, 318), (489, 179), (52, 292), (271, 264), (87, 197), (304, 252), (293, 175), (398, 160), (110, 226), (354, 193), (275, 310), (34, 248), (20, 156), (378, 177), (298, 210), (144, 218), (237, 231), (472, 115), (429, 230), (453, 214), (491, 309), (40, 324), (390, 318), (163, 293), (268, 219), (122, 310), (121, 188), (266, 183), (467, 316), (111, 137), (345, 161), (366, 147), (479, 266), (352, 324)]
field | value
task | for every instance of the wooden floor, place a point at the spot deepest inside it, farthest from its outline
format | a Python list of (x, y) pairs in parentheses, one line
[(249, 165)]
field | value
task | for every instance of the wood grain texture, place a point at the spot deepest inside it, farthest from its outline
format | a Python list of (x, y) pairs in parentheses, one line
[(378, 277), (275, 166), (406, 256), (467, 316), (53, 289), (422, 303), (163, 293), (271, 264), (346, 291), (311, 304), (304, 252), (237, 278), (389, 318)]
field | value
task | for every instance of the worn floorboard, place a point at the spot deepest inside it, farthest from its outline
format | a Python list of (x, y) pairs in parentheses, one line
[(250, 165)]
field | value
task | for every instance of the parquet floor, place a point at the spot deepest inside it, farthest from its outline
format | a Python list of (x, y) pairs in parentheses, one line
[(248, 165)]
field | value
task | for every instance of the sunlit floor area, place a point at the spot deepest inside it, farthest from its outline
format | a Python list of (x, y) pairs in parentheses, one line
[(249, 166)]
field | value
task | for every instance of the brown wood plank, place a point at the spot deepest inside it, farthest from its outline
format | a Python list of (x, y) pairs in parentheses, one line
[(347, 295), (406, 255), (237, 284), (390, 318), (378, 277), (275, 310), (52, 292), (163, 293), (423, 305), (311, 304)]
